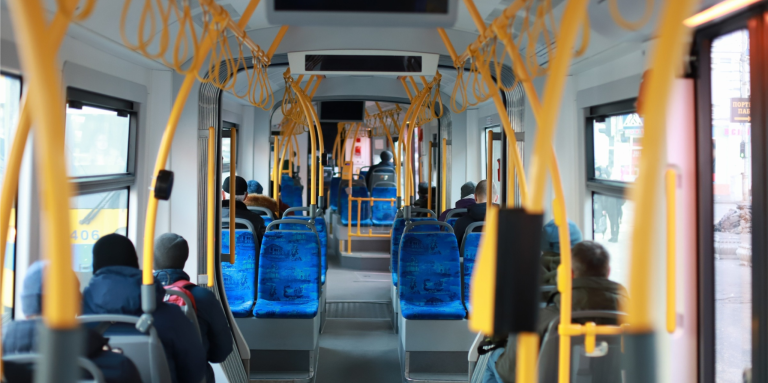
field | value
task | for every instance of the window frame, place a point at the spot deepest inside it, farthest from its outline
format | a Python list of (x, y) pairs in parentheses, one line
[(110, 182)]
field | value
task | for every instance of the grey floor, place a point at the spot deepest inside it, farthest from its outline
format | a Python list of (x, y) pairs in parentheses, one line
[(357, 343)]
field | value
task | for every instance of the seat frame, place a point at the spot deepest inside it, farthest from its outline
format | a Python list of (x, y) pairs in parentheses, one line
[(84, 363)]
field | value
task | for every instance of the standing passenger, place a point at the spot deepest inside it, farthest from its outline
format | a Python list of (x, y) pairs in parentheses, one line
[(476, 212), (115, 288), (171, 253)]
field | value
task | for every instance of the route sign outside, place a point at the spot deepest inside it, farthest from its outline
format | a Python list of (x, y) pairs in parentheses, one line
[(740, 108)]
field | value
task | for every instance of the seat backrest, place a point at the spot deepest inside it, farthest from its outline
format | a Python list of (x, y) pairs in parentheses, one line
[(240, 277), (289, 266), (429, 268), (454, 216), (291, 191), (365, 208), (144, 350), (605, 365), (384, 212), (335, 183), (469, 246), (381, 175), (322, 235), (12, 362), (398, 226)]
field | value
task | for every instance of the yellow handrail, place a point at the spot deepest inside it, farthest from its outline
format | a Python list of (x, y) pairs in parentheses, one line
[(276, 175), (671, 189), (429, 176), (211, 201), (232, 193)]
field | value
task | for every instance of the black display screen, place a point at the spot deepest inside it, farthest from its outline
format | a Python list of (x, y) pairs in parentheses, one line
[(342, 110), (374, 6), (360, 63)]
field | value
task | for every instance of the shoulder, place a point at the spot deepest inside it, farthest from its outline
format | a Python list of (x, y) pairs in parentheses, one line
[(202, 294)]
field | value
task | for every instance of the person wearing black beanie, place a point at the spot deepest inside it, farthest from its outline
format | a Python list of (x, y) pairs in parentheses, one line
[(114, 250)]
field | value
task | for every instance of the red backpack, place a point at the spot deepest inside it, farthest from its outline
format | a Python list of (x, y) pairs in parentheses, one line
[(181, 286)]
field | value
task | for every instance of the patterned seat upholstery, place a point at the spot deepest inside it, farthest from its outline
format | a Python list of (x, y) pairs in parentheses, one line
[(334, 203), (289, 271), (240, 278), (321, 232), (452, 221), (430, 276), (397, 232), (290, 192), (267, 220), (471, 243), (365, 209), (384, 212)]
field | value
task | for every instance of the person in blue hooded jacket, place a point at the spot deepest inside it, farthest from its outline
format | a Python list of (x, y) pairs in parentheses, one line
[(115, 288), (550, 247), (171, 253)]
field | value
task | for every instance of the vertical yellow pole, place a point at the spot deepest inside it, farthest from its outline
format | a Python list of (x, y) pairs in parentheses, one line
[(489, 171), (671, 250), (276, 176), (429, 177), (527, 355), (232, 193), (444, 177), (211, 201)]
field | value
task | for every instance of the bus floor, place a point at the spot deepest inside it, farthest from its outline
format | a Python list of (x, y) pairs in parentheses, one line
[(357, 343)]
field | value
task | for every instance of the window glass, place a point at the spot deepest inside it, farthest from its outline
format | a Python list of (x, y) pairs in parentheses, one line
[(732, 190), (496, 171), (226, 151), (617, 144), (96, 142), (613, 219), (10, 92), (91, 217)]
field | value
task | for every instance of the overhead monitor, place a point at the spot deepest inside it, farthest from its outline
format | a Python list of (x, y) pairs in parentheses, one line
[(372, 13), (363, 62), (342, 111)]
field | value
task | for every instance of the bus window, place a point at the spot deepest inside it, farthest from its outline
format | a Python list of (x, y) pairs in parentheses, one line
[(97, 141), (613, 219), (10, 92), (617, 141)]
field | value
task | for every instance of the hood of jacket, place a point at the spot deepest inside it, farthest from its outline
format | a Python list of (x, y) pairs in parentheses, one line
[(170, 276), (465, 202), (117, 290), (596, 293), (477, 211), (550, 237)]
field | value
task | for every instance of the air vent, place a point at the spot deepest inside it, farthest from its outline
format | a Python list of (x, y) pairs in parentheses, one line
[(370, 62)]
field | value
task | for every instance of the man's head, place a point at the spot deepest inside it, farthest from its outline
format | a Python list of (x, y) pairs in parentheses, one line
[(171, 251), (241, 187), (481, 191), (114, 250), (467, 189), (550, 236), (386, 156), (423, 189), (254, 187), (590, 259)]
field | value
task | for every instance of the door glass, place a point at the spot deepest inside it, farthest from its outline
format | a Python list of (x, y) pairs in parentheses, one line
[(496, 170), (10, 91), (732, 189), (617, 144), (612, 219)]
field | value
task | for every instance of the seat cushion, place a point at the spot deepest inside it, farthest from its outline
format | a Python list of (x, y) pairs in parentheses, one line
[(430, 276), (398, 226), (384, 212), (471, 244), (273, 309), (240, 278)]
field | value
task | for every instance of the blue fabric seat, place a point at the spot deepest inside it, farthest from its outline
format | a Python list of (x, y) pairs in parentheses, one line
[(430, 276), (384, 212), (471, 244), (365, 208), (267, 220), (452, 221), (321, 232), (397, 232), (289, 272), (290, 193), (240, 278), (334, 203)]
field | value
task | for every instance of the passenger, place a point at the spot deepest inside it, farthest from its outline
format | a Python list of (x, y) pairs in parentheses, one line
[(20, 337), (423, 201), (171, 253), (115, 288), (550, 247), (476, 212), (256, 198), (592, 290), (467, 199), (241, 210), (386, 163)]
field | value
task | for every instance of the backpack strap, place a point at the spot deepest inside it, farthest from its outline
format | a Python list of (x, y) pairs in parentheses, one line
[(184, 286)]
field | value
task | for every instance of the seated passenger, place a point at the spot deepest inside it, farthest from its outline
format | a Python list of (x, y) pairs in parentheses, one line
[(171, 253), (467, 200), (550, 247), (423, 200), (115, 288), (241, 210), (20, 337), (256, 198), (386, 162), (592, 290), (475, 213)]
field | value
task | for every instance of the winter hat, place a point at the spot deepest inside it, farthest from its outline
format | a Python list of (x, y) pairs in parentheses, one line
[(467, 189), (550, 238), (423, 187), (32, 291), (241, 187), (114, 250), (385, 156), (254, 187), (171, 251)]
